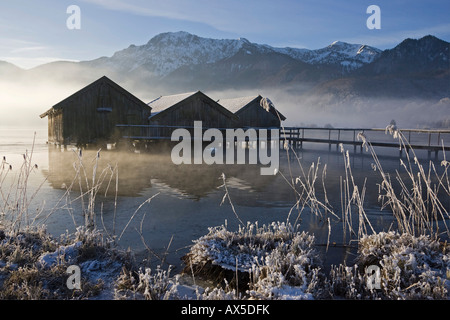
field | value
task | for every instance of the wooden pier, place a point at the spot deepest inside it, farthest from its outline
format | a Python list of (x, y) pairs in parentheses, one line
[(417, 139)]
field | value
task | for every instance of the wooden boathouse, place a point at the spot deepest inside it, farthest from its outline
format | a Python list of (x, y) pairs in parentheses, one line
[(181, 110), (254, 111), (91, 114), (104, 112)]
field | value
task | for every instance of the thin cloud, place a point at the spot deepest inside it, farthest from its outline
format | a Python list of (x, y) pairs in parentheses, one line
[(166, 9), (28, 63), (150, 8), (390, 40), (8, 44), (230, 16), (29, 49)]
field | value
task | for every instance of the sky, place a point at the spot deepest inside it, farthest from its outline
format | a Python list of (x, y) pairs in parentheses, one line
[(33, 32)]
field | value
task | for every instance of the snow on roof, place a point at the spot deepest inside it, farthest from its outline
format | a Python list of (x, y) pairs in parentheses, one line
[(164, 102), (235, 104)]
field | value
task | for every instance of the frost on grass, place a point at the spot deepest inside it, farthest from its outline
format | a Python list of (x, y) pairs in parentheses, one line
[(147, 284), (411, 267), (268, 262), (33, 265), (62, 254), (275, 262)]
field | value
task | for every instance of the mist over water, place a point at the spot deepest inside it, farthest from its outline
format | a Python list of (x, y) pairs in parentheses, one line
[(23, 99), (186, 198)]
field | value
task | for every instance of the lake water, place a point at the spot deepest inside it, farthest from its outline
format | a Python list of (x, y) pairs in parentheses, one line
[(186, 199)]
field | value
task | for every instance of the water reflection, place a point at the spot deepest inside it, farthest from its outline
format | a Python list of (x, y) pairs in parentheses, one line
[(188, 197), (138, 172)]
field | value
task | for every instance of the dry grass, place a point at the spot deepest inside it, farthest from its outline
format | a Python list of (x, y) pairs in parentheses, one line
[(260, 262), (15, 198), (257, 262), (414, 197), (24, 276), (411, 267), (33, 264), (266, 264)]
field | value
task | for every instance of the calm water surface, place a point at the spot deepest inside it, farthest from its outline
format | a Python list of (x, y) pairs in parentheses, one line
[(187, 198)]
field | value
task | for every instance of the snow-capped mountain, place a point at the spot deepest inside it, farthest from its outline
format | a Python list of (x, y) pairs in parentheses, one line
[(414, 69), (349, 56), (167, 52), (339, 79), (413, 56), (182, 62)]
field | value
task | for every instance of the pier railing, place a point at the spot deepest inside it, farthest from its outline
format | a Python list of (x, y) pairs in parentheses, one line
[(417, 139)]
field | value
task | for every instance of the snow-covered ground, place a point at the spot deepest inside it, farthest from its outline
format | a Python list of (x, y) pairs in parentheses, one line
[(264, 262)]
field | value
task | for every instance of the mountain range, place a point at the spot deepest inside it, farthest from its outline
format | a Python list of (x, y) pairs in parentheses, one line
[(168, 52), (339, 75)]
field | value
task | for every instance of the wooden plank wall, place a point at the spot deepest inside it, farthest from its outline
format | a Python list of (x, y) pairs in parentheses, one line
[(195, 108), (255, 116), (92, 116)]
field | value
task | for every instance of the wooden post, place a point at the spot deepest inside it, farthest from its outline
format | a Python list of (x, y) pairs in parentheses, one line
[(329, 140), (361, 146), (338, 139), (303, 136), (258, 147), (429, 144)]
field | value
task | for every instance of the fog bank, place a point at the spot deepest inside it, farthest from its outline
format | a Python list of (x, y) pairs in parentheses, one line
[(23, 100)]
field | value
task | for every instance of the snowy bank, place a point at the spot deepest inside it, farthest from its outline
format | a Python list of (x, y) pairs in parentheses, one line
[(275, 262), (268, 262)]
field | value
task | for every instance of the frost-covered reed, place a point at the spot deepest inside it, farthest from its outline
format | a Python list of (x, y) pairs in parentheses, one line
[(413, 260), (411, 267), (16, 195), (33, 264), (273, 261), (413, 194), (264, 262), (280, 263)]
